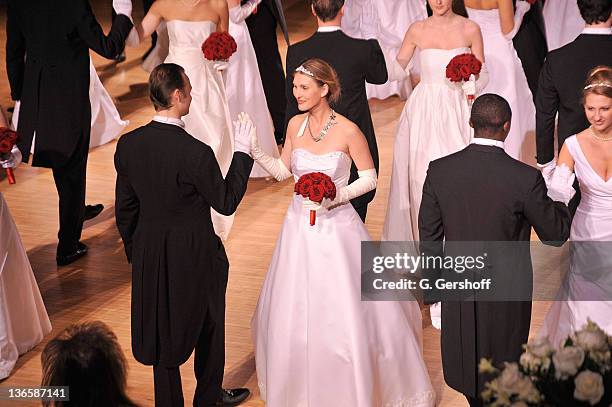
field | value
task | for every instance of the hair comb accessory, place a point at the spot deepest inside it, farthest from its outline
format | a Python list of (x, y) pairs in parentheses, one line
[(304, 71), (593, 85)]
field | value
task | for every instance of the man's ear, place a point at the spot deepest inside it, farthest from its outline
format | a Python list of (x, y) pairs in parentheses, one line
[(471, 124), (312, 10), (507, 126)]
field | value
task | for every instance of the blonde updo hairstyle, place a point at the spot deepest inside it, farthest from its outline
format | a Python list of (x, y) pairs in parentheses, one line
[(599, 82), (324, 74)]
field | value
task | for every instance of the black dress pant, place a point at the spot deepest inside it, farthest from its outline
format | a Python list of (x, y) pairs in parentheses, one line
[(209, 358), (70, 183), (474, 402), (361, 211), (262, 28)]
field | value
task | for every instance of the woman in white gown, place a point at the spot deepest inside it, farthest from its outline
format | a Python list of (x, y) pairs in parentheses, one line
[(316, 342), (562, 22), (189, 25), (435, 119), (386, 21), (245, 92), (23, 317), (106, 124), (587, 293), (499, 24)]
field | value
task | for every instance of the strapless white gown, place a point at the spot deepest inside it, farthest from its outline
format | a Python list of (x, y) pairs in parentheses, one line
[(592, 223), (562, 22), (316, 343), (433, 124), (507, 79), (208, 119), (245, 92), (391, 19)]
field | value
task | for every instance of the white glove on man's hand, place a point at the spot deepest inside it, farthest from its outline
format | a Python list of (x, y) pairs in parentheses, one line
[(561, 188), (243, 131), (123, 7), (221, 66)]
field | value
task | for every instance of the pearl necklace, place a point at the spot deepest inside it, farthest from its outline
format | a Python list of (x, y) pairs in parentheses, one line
[(600, 138), (330, 122)]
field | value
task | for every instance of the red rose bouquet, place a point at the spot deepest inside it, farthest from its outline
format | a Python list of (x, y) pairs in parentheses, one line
[(8, 138), (315, 186), (461, 68), (219, 46)]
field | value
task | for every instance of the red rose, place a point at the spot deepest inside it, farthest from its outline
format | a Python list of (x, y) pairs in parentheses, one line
[(453, 74), (465, 72), (475, 66), (8, 138), (317, 193), (305, 188)]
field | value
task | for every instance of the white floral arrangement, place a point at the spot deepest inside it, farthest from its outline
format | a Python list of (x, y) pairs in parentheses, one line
[(577, 374)]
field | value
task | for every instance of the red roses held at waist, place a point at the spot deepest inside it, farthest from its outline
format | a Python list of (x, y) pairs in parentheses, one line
[(8, 138), (462, 66), (315, 186), (219, 46)]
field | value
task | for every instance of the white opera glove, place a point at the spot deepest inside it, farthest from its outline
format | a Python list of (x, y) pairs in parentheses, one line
[(13, 160), (244, 129), (362, 185), (561, 188), (133, 39), (240, 13), (469, 87), (123, 7), (220, 65), (522, 7), (274, 166), (482, 80), (394, 69), (548, 171), (435, 313)]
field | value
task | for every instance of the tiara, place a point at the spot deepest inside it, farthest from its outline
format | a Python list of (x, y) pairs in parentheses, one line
[(304, 71), (607, 85)]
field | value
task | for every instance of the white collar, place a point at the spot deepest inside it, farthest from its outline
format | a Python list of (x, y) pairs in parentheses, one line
[(169, 120), (592, 30), (329, 28), (487, 142)]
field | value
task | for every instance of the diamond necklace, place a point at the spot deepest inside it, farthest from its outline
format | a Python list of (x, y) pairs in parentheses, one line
[(600, 138), (330, 122)]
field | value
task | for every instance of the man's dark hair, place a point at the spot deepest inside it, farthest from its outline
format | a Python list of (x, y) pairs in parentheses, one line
[(489, 113), (595, 11), (327, 9), (165, 79)]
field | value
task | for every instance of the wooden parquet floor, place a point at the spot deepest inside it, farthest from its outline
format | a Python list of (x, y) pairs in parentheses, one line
[(97, 287)]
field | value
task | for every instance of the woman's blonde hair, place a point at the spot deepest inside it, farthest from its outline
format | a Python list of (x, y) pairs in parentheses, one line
[(323, 74), (599, 82)]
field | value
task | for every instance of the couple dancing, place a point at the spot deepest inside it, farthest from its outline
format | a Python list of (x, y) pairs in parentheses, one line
[(361, 354), (188, 25)]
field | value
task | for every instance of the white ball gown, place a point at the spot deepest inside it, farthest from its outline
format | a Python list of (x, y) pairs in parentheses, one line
[(23, 317), (106, 124), (507, 79), (208, 119), (562, 22), (245, 92), (388, 20), (316, 343), (590, 264), (433, 124)]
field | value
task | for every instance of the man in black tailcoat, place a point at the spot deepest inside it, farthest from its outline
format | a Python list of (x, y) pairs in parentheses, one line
[(47, 60), (356, 62), (262, 24), (167, 183), (473, 200)]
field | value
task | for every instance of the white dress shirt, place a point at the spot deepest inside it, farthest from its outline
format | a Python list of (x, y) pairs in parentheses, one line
[(328, 28), (169, 120), (488, 142), (595, 30)]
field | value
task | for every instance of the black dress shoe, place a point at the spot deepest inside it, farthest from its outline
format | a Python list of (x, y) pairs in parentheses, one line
[(119, 58), (233, 397), (65, 259), (91, 211)]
